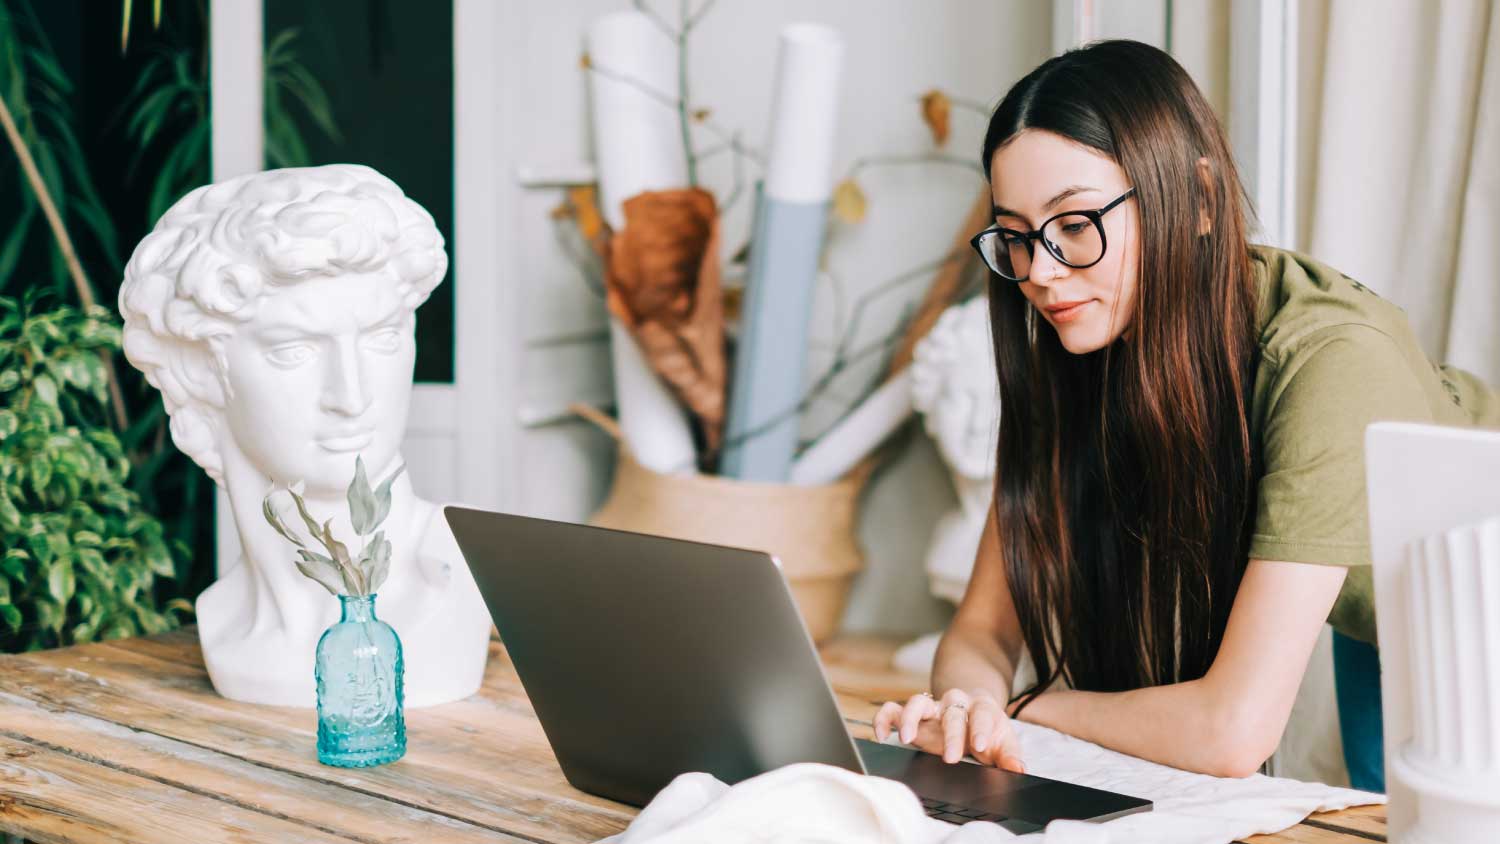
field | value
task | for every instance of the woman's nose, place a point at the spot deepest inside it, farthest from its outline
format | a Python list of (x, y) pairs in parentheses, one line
[(1045, 267)]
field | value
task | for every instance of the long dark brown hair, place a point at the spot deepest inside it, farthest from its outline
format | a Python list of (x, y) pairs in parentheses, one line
[(1125, 485)]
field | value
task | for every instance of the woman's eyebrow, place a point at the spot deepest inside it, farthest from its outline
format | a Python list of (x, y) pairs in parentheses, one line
[(1051, 203)]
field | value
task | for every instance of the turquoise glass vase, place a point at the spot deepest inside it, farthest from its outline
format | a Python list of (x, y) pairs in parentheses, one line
[(359, 673)]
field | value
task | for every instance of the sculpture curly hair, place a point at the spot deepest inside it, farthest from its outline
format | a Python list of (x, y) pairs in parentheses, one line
[(222, 248)]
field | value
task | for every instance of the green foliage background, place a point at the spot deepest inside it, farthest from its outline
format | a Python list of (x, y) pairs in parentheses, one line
[(106, 529), (81, 555)]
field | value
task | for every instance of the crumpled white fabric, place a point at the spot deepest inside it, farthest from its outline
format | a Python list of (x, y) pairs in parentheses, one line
[(811, 803)]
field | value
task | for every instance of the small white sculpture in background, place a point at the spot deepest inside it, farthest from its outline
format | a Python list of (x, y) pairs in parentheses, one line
[(276, 313), (1452, 761), (955, 388)]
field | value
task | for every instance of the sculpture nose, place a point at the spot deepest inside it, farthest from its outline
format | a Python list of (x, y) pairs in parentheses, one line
[(344, 390)]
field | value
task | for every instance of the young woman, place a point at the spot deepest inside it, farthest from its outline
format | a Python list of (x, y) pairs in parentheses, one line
[(1179, 502)]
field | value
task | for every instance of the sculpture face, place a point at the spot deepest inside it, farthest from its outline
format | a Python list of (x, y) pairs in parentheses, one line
[(965, 423), (955, 387), (320, 373)]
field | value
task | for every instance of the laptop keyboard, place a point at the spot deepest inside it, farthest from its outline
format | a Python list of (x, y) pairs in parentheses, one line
[(953, 813)]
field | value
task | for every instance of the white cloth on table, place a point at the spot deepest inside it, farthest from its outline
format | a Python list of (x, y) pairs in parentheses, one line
[(811, 803)]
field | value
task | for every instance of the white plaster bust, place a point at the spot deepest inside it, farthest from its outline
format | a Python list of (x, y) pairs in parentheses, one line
[(955, 388), (276, 313)]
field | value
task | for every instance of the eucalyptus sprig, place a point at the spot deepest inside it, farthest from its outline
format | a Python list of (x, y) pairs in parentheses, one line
[(336, 570)]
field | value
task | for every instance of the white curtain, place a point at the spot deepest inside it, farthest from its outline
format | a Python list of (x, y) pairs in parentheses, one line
[(1402, 191)]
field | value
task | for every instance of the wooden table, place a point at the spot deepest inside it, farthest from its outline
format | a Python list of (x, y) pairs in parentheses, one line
[(125, 741)]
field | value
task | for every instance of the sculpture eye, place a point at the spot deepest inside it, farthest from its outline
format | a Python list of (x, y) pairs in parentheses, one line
[(384, 340), (290, 354)]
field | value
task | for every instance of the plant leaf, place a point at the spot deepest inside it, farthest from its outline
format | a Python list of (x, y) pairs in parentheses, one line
[(361, 500), (320, 569), (46, 389), (383, 496), (936, 109), (275, 520), (340, 552), (380, 562), (849, 203), (60, 583), (584, 200), (307, 519)]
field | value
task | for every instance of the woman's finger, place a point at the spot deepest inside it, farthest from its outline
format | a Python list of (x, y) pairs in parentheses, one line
[(920, 706), (955, 723), (1007, 747), (982, 722), (955, 731), (887, 717)]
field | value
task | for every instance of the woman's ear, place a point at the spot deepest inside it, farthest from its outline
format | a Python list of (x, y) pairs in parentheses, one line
[(1205, 173)]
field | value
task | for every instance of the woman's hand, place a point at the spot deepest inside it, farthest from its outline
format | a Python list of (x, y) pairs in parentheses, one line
[(960, 723)]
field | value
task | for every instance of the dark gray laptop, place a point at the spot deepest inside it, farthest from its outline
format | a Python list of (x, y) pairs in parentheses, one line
[(646, 657)]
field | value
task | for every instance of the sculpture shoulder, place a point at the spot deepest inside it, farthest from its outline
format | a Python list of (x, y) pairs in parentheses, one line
[(437, 538)]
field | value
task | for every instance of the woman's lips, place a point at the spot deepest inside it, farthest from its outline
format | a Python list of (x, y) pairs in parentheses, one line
[(1064, 312)]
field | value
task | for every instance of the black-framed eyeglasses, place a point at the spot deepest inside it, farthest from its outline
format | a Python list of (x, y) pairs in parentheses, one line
[(1075, 238)]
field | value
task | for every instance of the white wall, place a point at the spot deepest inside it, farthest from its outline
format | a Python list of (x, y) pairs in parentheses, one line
[(895, 50)]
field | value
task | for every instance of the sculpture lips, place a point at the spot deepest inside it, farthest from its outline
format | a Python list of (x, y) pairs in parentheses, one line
[(349, 442)]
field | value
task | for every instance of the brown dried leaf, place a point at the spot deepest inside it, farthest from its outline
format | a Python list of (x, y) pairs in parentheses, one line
[(585, 202), (662, 280), (585, 62), (935, 111), (701, 115), (849, 203), (734, 298)]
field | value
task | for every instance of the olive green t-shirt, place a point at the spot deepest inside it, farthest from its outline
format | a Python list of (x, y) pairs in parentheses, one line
[(1335, 357)]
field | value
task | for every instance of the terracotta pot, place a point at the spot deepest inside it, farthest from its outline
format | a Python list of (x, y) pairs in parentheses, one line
[(809, 528)]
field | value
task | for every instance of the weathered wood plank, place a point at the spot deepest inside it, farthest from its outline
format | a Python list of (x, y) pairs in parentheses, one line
[(485, 762), (47, 796), (211, 774), (1363, 821), (1304, 834)]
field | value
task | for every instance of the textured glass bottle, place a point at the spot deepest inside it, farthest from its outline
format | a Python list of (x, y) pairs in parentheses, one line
[(359, 673)]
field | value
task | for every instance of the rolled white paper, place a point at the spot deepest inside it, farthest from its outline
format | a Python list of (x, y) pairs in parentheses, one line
[(791, 215), (847, 443), (638, 147), (799, 160)]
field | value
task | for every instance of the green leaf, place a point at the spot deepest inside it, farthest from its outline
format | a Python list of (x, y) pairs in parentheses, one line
[(10, 251), (269, 510), (9, 423), (40, 545), (60, 582), (159, 561), (14, 564), (383, 496), (321, 569), (8, 381), (361, 500), (41, 473), (353, 578), (10, 517), (46, 388), (307, 519), (380, 562), (11, 616)]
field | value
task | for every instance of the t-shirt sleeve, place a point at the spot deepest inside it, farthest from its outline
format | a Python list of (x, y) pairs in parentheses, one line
[(1311, 504)]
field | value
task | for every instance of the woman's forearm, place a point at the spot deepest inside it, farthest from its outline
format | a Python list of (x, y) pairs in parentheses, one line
[(1183, 725), (974, 661)]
